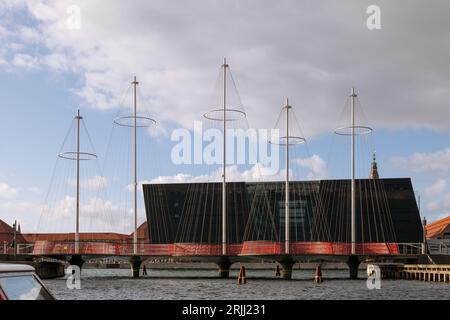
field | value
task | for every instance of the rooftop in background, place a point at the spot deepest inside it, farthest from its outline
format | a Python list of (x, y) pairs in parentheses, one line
[(7, 233), (69, 236), (439, 229), (89, 236)]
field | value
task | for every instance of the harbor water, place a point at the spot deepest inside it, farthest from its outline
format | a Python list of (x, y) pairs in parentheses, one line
[(262, 284)]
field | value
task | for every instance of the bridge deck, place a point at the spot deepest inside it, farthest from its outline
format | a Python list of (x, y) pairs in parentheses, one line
[(248, 248)]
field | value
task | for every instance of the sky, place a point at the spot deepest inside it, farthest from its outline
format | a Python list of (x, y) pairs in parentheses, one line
[(58, 56)]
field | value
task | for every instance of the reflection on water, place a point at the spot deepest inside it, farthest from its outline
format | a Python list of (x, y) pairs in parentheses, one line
[(203, 284)]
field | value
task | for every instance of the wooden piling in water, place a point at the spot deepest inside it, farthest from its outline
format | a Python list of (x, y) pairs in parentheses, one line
[(242, 279), (318, 275)]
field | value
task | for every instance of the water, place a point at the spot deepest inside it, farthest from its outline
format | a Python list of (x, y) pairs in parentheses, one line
[(203, 284)]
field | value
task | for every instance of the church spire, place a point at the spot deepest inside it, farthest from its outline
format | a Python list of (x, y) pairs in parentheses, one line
[(374, 168)]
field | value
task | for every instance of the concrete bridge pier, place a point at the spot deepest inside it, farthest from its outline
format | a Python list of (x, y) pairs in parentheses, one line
[(135, 263), (287, 265), (76, 260), (353, 263), (224, 268)]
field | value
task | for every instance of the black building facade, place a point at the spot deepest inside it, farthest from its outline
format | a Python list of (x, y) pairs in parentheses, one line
[(386, 211)]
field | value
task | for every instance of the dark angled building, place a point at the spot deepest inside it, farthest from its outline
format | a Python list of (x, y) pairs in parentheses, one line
[(386, 211)]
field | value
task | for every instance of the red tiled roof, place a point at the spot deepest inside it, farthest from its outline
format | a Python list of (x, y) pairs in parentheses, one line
[(142, 231), (5, 228), (7, 233), (437, 227)]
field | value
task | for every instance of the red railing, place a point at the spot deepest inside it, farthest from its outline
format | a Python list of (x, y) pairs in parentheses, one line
[(316, 248), (99, 248), (248, 248), (201, 249)]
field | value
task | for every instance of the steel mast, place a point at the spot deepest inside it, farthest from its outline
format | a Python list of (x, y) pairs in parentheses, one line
[(135, 182), (224, 180), (286, 205), (353, 188), (77, 210), (144, 121), (77, 156), (353, 130), (222, 114)]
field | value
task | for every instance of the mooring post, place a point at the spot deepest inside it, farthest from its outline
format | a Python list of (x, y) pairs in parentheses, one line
[(318, 275), (242, 279)]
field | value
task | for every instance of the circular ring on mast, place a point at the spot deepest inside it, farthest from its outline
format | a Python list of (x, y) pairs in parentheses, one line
[(141, 121), (72, 155), (291, 141), (230, 114), (347, 131)]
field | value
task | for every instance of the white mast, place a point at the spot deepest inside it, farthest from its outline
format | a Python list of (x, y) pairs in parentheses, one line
[(353, 189), (222, 114), (135, 83), (286, 205), (353, 132), (144, 121), (77, 219), (224, 191), (77, 156)]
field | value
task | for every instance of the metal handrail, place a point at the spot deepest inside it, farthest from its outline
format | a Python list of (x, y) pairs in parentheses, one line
[(439, 246)]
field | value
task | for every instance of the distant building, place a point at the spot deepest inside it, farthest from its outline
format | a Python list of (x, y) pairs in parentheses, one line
[(90, 236), (386, 211), (70, 236), (439, 229), (142, 233), (374, 169), (7, 234)]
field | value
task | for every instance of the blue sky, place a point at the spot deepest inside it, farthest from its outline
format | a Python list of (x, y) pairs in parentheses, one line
[(313, 56)]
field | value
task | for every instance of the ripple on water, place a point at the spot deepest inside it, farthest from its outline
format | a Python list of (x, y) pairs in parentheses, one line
[(117, 284)]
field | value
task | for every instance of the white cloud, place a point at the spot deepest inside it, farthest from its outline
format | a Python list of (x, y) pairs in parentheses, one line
[(255, 173), (258, 172), (14, 206), (434, 167), (317, 167), (24, 61), (173, 47), (96, 214), (35, 190), (28, 34), (3, 32), (436, 188), (20, 207), (7, 191), (14, 46), (178, 178), (25, 212), (94, 183), (436, 162), (440, 208), (57, 61)]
